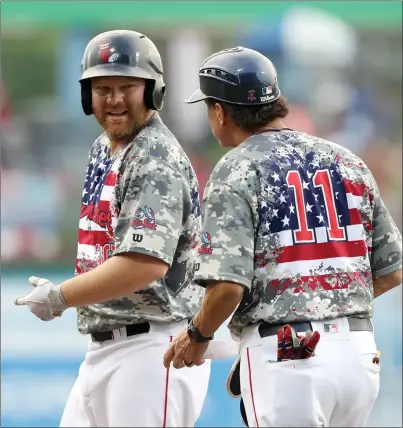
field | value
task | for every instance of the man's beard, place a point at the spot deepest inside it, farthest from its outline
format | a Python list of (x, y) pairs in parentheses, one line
[(126, 133), (122, 134)]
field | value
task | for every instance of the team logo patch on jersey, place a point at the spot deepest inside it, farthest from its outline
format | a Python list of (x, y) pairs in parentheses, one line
[(330, 328), (108, 54), (205, 247), (144, 219)]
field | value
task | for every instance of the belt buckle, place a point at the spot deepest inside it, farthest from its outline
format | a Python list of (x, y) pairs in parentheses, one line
[(119, 333)]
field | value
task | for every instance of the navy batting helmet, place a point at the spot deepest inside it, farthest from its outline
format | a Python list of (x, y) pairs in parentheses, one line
[(123, 53), (237, 76)]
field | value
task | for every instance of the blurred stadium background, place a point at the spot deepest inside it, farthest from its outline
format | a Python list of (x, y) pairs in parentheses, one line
[(339, 65)]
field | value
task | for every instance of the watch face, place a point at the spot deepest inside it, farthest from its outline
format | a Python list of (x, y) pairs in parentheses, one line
[(192, 332), (195, 335)]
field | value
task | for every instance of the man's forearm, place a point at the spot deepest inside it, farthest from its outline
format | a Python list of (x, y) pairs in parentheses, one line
[(385, 283), (220, 301), (117, 277)]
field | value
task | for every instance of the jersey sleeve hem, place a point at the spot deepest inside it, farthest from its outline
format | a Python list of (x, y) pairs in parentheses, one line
[(387, 270), (147, 252), (204, 279)]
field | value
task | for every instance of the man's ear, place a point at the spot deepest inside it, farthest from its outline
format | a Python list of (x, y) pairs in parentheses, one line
[(219, 111)]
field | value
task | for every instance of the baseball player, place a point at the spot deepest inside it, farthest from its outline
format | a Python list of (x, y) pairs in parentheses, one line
[(298, 242), (138, 232)]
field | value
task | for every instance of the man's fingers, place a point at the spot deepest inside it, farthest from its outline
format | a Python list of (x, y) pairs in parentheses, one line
[(20, 301), (35, 281), (199, 361), (168, 356), (178, 362)]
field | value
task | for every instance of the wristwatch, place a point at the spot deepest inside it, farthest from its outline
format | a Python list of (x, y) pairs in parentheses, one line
[(195, 335)]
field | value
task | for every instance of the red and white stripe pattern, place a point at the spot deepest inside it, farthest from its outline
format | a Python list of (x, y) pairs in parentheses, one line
[(97, 220), (315, 263)]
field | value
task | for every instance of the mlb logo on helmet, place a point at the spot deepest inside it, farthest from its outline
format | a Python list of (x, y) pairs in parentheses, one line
[(267, 94), (267, 90)]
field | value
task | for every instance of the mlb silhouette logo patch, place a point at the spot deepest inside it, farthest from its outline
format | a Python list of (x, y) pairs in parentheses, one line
[(330, 328)]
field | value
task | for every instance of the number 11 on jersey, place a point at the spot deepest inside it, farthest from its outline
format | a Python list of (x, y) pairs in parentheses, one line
[(321, 179)]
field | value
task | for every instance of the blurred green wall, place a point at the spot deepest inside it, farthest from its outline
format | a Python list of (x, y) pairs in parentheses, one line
[(95, 14)]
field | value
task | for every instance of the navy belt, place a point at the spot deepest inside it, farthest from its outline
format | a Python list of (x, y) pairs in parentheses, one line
[(131, 330), (355, 324)]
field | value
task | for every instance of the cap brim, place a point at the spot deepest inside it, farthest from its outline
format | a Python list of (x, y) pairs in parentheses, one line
[(111, 70), (196, 97)]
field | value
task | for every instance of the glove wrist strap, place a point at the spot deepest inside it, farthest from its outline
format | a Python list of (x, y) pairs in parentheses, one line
[(56, 298)]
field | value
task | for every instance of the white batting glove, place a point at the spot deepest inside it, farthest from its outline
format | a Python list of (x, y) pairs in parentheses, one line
[(45, 301)]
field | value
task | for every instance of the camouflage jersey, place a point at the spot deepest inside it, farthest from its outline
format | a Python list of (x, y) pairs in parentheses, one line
[(143, 199), (300, 223)]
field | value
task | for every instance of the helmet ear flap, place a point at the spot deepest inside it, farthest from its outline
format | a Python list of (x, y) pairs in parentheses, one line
[(159, 95), (86, 97), (154, 93)]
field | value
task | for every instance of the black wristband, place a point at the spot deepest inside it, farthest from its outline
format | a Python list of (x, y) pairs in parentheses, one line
[(195, 335)]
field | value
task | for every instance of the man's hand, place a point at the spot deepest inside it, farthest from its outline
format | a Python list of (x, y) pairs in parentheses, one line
[(183, 352), (45, 301)]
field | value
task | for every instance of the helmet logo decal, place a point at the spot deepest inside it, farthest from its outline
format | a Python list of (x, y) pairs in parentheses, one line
[(251, 95), (108, 54), (268, 90)]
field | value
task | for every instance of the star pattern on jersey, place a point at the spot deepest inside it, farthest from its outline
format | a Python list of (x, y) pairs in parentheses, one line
[(283, 213), (195, 203), (96, 173)]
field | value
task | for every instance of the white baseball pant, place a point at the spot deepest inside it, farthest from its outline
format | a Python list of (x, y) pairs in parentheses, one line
[(123, 383), (337, 387)]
